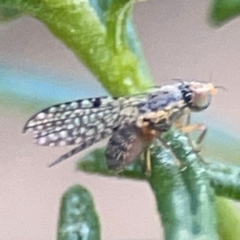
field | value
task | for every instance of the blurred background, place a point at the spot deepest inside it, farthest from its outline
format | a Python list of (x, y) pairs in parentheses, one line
[(37, 70)]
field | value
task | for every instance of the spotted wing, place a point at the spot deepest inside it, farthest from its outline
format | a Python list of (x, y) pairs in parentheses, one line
[(88, 120), (124, 146)]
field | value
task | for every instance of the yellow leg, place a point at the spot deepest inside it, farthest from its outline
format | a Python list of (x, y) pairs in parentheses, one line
[(189, 128), (148, 163), (146, 160)]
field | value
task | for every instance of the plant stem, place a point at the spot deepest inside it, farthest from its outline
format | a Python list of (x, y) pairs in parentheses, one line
[(78, 25)]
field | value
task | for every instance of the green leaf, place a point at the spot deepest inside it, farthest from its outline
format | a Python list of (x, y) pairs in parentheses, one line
[(7, 14), (95, 162), (196, 179), (225, 179), (78, 219), (228, 220), (171, 196), (180, 194), (110, 53), (224, 10)]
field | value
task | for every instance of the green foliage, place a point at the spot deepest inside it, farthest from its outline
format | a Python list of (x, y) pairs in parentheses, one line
[(181, 192), (228, 227), (225, 179), (95, 162), (101, 35), (171, 195), (8, 13), (224, 10), (78, 219)]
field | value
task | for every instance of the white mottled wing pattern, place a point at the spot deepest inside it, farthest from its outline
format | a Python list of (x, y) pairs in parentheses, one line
[(75, 122), (82, 122)]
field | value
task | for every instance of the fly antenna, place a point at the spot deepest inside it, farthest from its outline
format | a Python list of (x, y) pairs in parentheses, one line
[(221, 87), (177, 80)]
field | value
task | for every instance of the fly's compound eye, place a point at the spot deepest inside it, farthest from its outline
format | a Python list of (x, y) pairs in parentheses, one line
[(201, 101), (202, 95)]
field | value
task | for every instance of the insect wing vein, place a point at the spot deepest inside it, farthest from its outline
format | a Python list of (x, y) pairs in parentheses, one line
[(75, 122)]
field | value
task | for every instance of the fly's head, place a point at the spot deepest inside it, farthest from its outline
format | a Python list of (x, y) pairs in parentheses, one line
[(197, 95)]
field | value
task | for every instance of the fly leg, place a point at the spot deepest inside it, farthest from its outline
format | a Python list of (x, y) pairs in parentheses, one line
[(146, 154), (145, 158), (189, 128), (156, 130)]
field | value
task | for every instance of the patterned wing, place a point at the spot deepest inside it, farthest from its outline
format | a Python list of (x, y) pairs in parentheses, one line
[(124, 146), (82, 122), (74, 122)]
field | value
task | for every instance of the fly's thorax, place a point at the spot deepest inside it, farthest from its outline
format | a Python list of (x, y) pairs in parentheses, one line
[(147, 132), (165, 115), (160, 99), (149, 117)]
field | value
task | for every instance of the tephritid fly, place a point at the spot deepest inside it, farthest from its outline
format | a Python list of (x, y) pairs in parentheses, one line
[(131, 122)]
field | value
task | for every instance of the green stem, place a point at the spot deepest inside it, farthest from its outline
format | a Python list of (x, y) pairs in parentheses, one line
[(7, 14), (225, 178), (116, 22), (78, 219), (79, 26), (171, 197), (228, 220), (202, 203)]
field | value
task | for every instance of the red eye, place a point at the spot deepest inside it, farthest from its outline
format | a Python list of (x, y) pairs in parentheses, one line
[(201, 100)]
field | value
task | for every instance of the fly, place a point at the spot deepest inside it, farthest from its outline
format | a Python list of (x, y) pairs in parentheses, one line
[(132, 122)]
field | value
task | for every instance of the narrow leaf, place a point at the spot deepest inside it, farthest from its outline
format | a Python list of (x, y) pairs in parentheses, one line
[(224, 10), (78, 219), (228, 220)]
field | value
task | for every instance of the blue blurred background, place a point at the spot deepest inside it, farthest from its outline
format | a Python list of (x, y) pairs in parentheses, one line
[(27, 87)]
